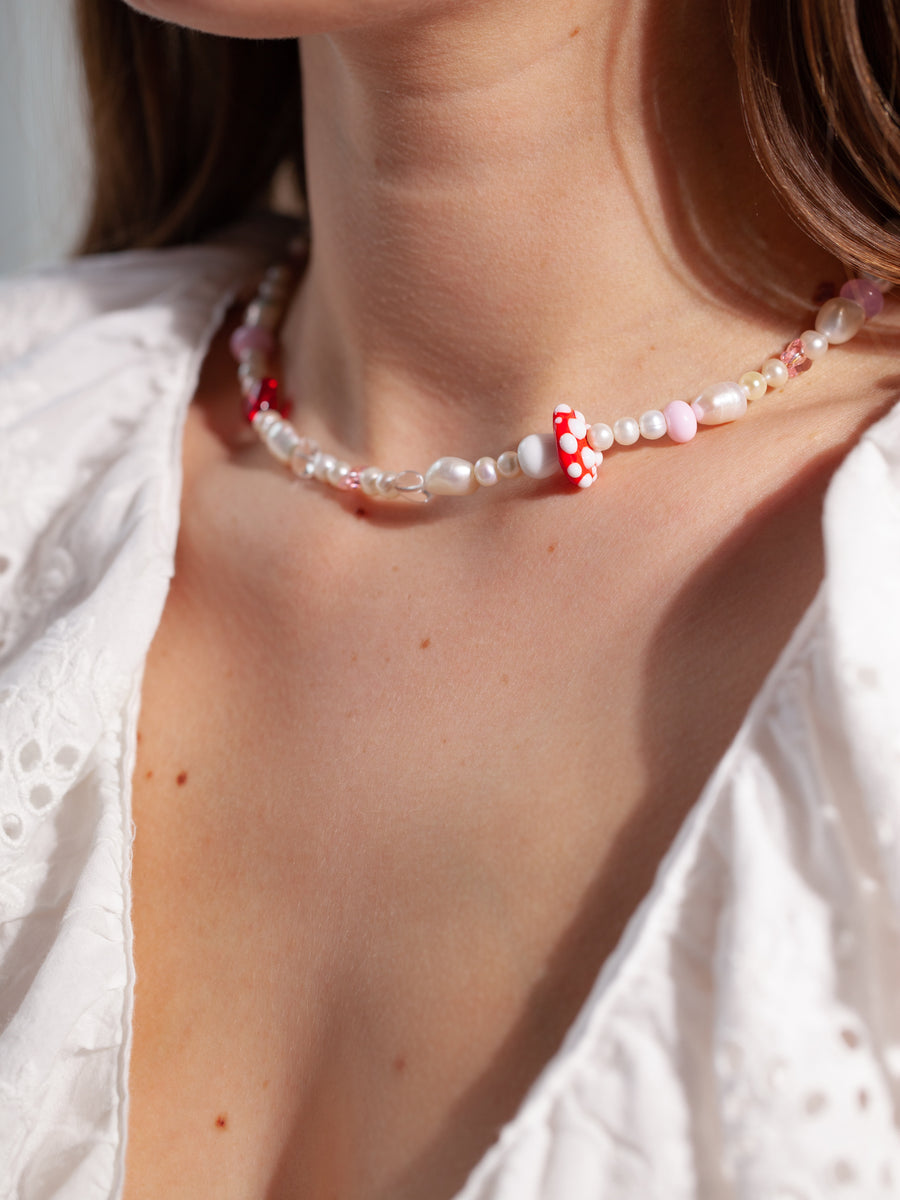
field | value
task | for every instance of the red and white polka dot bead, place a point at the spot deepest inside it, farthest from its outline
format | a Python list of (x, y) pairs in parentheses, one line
[(578, 461)]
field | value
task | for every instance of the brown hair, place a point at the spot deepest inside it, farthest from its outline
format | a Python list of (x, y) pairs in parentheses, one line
[(189, 128)]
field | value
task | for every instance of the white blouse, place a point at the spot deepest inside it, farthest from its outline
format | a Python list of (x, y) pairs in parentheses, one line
[(743, 1042)]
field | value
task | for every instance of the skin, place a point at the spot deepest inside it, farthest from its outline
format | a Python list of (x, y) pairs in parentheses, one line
[(404, 776)]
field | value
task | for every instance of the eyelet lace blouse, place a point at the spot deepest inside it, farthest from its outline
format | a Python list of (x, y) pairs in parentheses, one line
[(742, 1043)]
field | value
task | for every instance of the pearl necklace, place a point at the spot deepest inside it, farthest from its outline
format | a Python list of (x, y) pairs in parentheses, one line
[(574, 447)]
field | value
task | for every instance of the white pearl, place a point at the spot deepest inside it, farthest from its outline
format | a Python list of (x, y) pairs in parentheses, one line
[(652, 425), (600, 436), (626, 431), (720, 403), (508, 464), (840, 319), (450, 477), (337, 473), (774, 372), (368, 480), (814, 344), (322, 465), (282, 439), (486, 472), (264, 315), (755, 383), (538, 456)]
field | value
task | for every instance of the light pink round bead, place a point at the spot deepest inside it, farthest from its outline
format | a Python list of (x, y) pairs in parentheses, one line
[(247, 338), (681, 421), (865, 293)]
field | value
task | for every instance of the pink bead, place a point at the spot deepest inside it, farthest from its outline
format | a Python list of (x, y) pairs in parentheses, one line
[(681, 423), (247, 338), (352, 480), (794, 358), (864, 292)]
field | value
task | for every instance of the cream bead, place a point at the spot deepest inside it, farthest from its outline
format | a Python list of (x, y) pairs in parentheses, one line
[(775, 373), (322, 464), (450, 477), (626, 431), (508, 464), (486, 472), (538, 456), (814, 344), (600, 436), (652, 425), (840, 319), (720, 403), (368, 480), (755, 383)]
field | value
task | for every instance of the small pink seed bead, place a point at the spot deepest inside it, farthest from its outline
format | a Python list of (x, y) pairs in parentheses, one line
[(250, 337), (681, 421), (864, 292)]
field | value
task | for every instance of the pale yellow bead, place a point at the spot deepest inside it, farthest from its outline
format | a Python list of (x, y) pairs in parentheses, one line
[(775, 373), (755, 383)]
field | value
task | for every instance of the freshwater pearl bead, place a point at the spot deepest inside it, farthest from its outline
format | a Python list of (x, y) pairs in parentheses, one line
[(322, 464), (282, 439), (337, 472), (755, 383), (775, 373), (600, 436), (508, 464), (264, 315), (866, 294), (450, 477), (840, 319), (720, 403), (626, 431), (652, 425), (815, 344), (368, 480), (681, 421), (538, 456), (486, 472)]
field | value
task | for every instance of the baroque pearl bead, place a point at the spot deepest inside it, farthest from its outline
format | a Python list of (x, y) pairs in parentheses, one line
[(322, 464), (508, 464), (486, 472), (600, 436), (626, 431), (337, 472), (282, 439), (537, 455), (450, 477), (368, 480), (775, 373), (814, 344), (652, 425), (755, 383), (840, 319), (720, 403)]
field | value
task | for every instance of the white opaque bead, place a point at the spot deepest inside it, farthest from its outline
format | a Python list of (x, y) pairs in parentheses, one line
[(450, 477), (755, 383), (337, 472), (486, 472), (538, 456), (840, 319), (720, 403), (282, 439), (600, 436), (508, 464), (775, 373), (322, 465), (652, 425), (814, 344), (626, 431), (368, 480)]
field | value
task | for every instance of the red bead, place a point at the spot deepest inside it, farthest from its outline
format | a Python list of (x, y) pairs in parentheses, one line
[(263, 398), (577, 459)]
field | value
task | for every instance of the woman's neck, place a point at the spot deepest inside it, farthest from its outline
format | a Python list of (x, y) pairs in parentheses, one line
[(517, 204)]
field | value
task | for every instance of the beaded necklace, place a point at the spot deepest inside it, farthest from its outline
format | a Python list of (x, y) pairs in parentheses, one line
[(574, 447)]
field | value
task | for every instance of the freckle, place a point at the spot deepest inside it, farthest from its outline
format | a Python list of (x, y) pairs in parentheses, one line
[(266, 1083), (551, 549), (426, 642), (395, 568), (222, 1121), (140, 736), (354, 658), (399, 1064), (504, 679), (149, 775), (361, 512), (181, 778), (575, 32)]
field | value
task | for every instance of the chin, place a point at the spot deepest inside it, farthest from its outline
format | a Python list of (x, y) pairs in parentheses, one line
[(282, 18)]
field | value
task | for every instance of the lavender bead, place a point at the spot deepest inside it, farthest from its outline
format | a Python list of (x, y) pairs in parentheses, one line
[(247, 338)]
